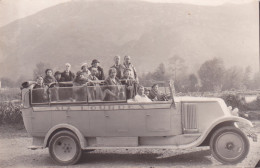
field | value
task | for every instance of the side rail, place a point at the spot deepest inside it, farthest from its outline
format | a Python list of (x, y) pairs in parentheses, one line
[(78, 94)]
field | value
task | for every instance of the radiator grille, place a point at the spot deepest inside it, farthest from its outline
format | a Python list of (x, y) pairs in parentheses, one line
[(189, 118)]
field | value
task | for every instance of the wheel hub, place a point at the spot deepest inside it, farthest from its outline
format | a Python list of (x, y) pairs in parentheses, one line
[(230, 146)]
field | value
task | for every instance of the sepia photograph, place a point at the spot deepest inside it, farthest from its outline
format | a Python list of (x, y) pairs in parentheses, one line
[(129, 83)]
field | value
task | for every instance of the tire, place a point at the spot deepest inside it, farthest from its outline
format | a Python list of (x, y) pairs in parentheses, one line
[(229, 145), (64, 148)]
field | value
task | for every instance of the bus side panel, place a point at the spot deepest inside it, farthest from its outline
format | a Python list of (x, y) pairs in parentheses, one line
[(134, 122), (41, 121)]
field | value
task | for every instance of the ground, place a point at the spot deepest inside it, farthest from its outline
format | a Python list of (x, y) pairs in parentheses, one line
[(14, 153)]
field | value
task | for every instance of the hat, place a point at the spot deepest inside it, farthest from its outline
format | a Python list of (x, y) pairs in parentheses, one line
[(94, 61), (57, 72), (84, 64)]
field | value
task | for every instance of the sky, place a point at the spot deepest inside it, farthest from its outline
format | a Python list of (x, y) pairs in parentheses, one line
[(11, 10)]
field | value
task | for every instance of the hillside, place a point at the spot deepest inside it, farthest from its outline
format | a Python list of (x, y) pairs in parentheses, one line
[(79, 31)]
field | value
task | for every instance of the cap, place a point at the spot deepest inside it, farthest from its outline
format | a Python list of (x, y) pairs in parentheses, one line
[(94, 61)]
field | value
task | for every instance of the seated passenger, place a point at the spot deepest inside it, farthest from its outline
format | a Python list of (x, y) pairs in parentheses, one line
[(141, 97), (93, 80), (94, 91), (39, 92), (112, 90), (156, 95), (57, 76), (80, 79), (129, 83), (146, 91), (39, 83), (67, 81), (84, 70), (67, 76), (79, 93), (49, 78), (100, 74)]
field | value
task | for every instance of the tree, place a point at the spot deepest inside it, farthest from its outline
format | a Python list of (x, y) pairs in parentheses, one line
[(233, 78), (211, 74), (177, 66), (247, 77), (160, 73), (7, 83), (193, 83), (40, 69)]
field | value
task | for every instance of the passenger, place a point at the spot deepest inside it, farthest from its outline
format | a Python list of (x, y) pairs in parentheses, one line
[(156, 95), (100, 75), (57, 76), (84, 69), (129, 83), (80, 92), (67, 81), (67, 76), (119, 67), (39, 83), (146, 91), (128, 65), (113, 89), (39, 92), (49, 78), (93, 80), (141, 97), (94, 90), (80, 79)]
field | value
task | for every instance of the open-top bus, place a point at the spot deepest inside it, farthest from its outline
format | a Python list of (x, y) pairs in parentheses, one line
[(69, 120)]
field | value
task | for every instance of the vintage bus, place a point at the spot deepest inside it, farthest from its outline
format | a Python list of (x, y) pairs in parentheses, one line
[(69, 120)]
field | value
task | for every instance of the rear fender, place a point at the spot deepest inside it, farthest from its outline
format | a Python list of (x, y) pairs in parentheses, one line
[(69, 127)]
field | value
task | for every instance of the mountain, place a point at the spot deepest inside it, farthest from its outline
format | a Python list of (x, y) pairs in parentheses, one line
[(79, 31)]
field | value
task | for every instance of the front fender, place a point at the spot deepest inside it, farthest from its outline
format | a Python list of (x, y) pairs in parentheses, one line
[(216, 122), (82, 140)]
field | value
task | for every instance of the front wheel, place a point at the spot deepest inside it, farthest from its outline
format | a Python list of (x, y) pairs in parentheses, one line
[(64, 148), (229, 145)]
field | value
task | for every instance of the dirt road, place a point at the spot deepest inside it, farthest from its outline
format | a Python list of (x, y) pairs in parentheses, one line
[(14, 153)]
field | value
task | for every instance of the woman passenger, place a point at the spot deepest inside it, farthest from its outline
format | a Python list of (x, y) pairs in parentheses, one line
[(141, 97), (39, 92), (49, 78), (84, 70)]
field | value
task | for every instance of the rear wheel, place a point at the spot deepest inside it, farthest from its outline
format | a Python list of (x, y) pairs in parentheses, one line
[(64, 148), (229, 145)]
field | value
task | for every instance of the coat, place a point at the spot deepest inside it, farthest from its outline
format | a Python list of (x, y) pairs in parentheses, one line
[(130, 92), (112, 86), (49, 80), (119, 70), (133, 73), (67, 78)]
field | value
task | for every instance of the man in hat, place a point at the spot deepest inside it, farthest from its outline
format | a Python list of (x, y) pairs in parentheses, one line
[(128, 65), (100, 74), (119, 68)]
